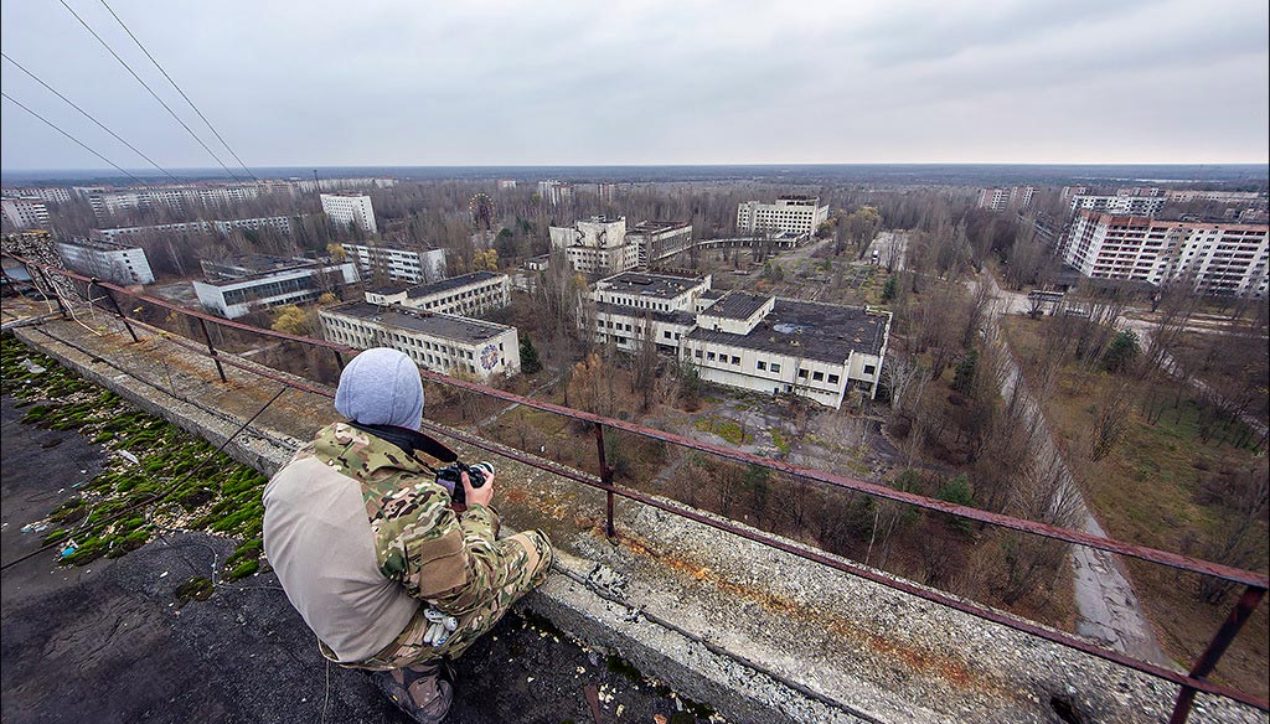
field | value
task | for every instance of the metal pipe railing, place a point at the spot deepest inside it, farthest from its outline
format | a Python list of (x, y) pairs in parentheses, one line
[(1255, 583)]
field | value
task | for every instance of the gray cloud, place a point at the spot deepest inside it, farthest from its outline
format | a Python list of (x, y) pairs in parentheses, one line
[(308, 83)]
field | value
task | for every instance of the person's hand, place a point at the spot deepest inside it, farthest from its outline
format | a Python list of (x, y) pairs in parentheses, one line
[(478, 496)]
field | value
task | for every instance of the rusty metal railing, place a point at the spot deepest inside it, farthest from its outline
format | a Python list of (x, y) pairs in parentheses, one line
[(1255, 584)]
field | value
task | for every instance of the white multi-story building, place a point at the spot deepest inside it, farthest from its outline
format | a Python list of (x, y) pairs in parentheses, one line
[(1219, 258), (754, 342), (797, 214), (243, 285), (350, 208), (25, 213), (505, 184), (176, 197), (107, 260), (1185, 196), (555, 192), (278, 224), (474, 293), (658, 240), (597, 245), (414, 266), (1000, 199), (1138, 205), (442, 343), (54, 194)]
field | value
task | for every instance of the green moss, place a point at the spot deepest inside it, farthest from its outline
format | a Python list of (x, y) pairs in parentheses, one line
[(166, 454), (726, 429), (197, 588)]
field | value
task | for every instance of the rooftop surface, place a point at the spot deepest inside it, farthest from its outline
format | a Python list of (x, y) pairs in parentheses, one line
[(737, 305), (257, 263), (445, 285), (445, 326), (824, 332), (99, 244), (655, 226), (131, 651), (661, 286), (686, 319)]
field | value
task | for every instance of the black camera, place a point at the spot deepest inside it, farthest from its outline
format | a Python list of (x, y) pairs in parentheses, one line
[(450, 478)]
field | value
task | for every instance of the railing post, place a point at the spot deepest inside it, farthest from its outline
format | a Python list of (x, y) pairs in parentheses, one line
[(53, 290), (606, 477), (115, 303), (1207, 661), (212, 350)]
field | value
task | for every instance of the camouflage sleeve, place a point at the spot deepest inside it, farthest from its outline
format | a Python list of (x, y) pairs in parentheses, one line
[(436, 555)]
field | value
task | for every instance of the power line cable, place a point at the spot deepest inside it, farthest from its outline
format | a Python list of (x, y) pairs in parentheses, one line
[(151, 90), (52, 125), (178, 89), (87, 115)]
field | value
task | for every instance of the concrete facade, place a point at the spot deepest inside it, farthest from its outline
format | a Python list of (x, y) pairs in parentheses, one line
[(754, 342), (350, 208), (414, 266), (797, 214), (473, 293), (1138, 205), (108, 260), (25, 213), (1000, 199), (444, 343), (597, 245), (555, 193), (241, 286), (104, 202), (278, 224), (54, 194), (1217, 257), (658, 240)]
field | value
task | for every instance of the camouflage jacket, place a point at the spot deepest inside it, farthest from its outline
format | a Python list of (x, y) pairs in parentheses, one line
[(420, 542), (359, 532)]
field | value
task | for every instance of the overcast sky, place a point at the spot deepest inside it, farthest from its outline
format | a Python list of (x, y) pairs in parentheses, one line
[(678, 82)]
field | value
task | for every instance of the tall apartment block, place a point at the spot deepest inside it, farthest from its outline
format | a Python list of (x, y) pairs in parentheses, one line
[(1217, 258), (555, 192), (790, 214), (107, 260), (350, 208), (1000, 199), (25, 213)]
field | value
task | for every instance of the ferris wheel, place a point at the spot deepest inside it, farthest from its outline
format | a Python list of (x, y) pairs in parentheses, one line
[(481, 207)]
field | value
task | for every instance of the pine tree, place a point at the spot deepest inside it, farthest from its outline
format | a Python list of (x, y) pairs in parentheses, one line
[(529, 362)]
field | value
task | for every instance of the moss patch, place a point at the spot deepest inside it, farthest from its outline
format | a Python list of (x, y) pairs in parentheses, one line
[(222, 496)]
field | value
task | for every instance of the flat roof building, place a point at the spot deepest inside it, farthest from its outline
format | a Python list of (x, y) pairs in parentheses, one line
[(414, 266), (1000, 199), (277, 224), (1217, 257), (597, 245), (25, 213), (350, 208), (444, 343), (750, 341), (798, 214), (474, 293), (241, 285), (107, 260), (1138, 205), (658, 240)]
